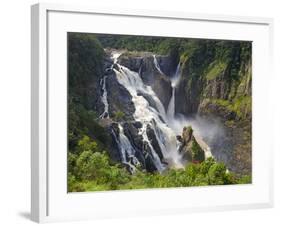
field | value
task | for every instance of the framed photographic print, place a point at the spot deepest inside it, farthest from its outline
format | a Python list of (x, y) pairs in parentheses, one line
[(144, 112)]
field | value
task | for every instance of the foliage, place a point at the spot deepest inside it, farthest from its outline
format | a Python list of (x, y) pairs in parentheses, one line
[(85, 55), (139, 43), (215, 69), (196, 151), (240, 105), (189, 129), (83, 122), (118, 116), (91, 170), (93, 165), (246, 179)]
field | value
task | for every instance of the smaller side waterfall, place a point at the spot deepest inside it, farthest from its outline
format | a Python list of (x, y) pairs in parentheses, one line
[(104, 98), (174, 82), (156, 64), (171, 106), (127, 152), (105, 114)]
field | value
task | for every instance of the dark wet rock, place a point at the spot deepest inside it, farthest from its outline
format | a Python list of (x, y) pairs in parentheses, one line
[(168, 64), (143, 151), (209, 108), (132, 133), (150, 166), (153, 140), (179, 138), (113, 149), (187, 95), (130, 61), (160, 83), (115, 128), (137, 124), (119, 98)]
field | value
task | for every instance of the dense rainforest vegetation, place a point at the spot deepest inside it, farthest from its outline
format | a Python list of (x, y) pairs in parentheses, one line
[(91, 164)]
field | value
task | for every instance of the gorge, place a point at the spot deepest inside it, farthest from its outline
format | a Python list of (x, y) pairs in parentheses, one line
[(155, 112)]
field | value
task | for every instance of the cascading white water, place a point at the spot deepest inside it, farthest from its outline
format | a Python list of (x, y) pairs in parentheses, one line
[(156, 160), (174, 82), (156, 64), (126, 150), (147, 115), (164, 124), (114, 57), (104, 98), (171, 106)]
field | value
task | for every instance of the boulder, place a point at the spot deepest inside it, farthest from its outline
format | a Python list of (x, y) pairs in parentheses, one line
[(191, 150)]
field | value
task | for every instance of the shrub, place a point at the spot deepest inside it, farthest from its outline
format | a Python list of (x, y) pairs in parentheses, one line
[(118, 116)]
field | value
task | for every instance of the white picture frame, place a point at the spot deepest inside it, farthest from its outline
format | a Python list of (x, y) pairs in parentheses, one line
[(49, 199)]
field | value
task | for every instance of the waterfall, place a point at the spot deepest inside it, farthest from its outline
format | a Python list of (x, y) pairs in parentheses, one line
[(156, 160), (104, 98), (147, 115), (127, 152), (171, 106), (114, 57), (156, 64), (164, 124), (174, 82)]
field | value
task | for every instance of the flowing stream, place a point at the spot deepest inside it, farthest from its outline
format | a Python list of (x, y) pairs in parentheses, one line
[(126, 150), (104, 98)]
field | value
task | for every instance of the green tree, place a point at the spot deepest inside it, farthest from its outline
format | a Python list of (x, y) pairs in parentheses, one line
[(86, 144), (119, 115), (93, 166), (217, 174)]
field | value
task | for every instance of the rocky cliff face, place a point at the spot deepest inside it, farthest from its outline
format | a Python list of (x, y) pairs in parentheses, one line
[(219, 87), (215, 79)]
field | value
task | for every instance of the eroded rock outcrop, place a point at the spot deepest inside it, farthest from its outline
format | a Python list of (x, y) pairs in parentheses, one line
[(191, 150)]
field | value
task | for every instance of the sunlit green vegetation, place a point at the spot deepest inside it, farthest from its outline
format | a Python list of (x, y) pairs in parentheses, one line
[(240, 106), (118, 116), (91, 170), (215, 69)]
